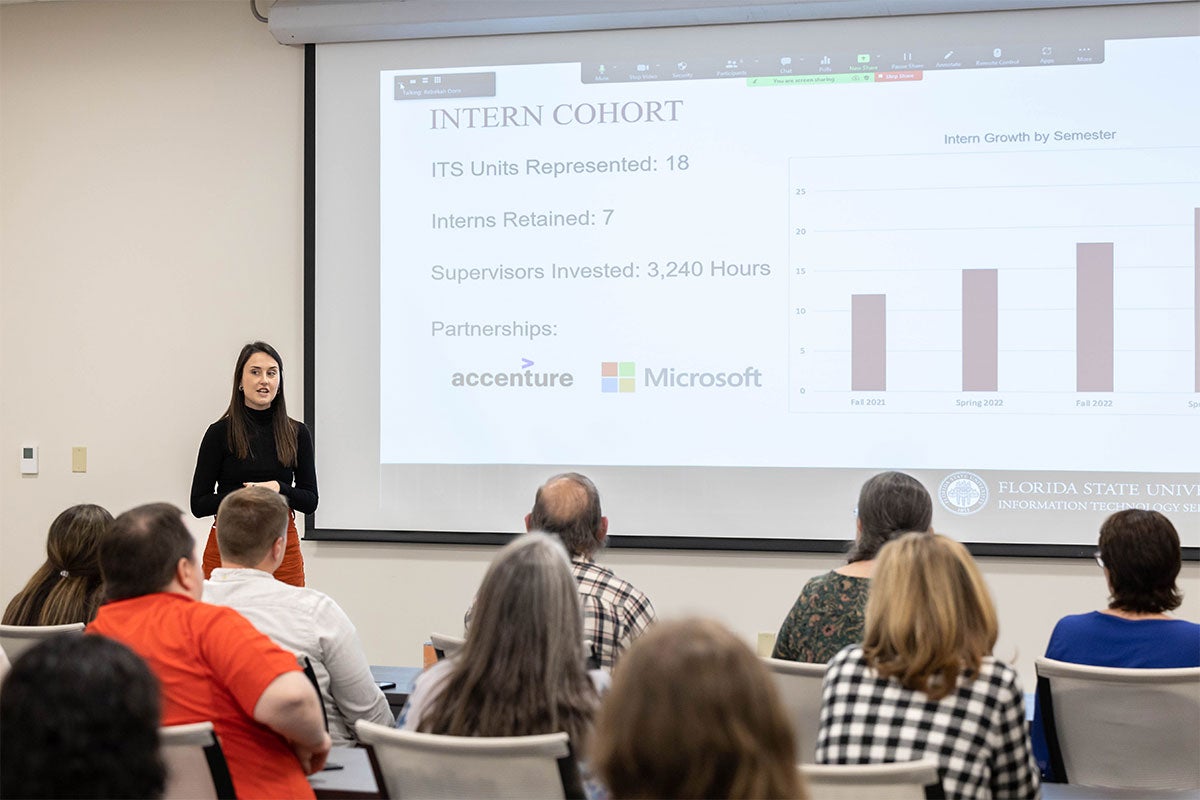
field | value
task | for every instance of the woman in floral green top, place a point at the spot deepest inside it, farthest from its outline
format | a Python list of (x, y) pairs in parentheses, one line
[(828, 614)]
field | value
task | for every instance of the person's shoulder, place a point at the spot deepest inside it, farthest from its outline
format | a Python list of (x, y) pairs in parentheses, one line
[(300, 600), (1179, 636), (321, 603), (1086, 619), (847, 673), (209, 617), (834, 581), (1000, 675), (213, 613), (850, 657), (216, 433), (591, 575), (584, 566), (631, 593), (1183, 625), (432, 678)]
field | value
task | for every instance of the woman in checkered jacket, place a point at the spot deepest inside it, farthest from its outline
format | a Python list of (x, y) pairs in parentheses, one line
[(924, 682)]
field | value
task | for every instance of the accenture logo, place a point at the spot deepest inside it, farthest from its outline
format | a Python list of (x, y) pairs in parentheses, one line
[(963, 493), (523, 378)]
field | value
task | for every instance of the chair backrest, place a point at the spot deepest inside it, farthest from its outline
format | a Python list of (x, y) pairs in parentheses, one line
[(16, 639), (196, 768), (1122, 728), (432, 766), (911, 780), (799, 687), (445, 645)]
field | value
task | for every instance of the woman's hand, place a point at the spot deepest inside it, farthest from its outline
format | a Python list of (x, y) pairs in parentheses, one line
[(272, 485)]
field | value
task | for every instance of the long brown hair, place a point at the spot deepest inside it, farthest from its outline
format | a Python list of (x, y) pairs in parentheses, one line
[(284, 427), (693, 713), (521, 671), (68, 587), (930, 617)]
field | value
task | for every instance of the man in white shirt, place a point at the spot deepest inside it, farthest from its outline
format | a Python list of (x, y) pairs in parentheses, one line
[(251, 528)]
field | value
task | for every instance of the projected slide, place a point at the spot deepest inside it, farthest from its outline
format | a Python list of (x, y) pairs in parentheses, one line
[(842, 260)]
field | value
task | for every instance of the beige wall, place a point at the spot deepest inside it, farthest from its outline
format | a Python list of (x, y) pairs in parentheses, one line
[(150, 223)]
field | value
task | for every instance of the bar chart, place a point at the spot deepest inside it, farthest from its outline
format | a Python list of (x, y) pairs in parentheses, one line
[(1020, 281)]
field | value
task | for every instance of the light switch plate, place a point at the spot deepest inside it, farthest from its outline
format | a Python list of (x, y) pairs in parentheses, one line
[(78, 459)]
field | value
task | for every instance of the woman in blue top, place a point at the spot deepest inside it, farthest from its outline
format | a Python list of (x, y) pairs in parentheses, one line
[(1140, 554)]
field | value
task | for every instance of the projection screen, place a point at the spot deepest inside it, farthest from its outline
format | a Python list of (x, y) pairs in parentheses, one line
[(731, 271)]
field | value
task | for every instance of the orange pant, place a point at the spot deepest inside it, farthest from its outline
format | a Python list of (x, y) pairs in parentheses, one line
[(290, 571)]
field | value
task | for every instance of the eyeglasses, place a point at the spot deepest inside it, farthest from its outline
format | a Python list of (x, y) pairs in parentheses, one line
[(1099, 560)]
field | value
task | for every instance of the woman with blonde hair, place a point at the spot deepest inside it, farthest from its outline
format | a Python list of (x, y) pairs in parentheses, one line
[(67, 587), (521, 671), (924, 682), (693, 714)]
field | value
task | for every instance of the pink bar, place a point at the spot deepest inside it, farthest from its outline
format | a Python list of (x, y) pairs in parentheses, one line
[(1196, 284), (1094, 317), (868, 342), (980, 330)]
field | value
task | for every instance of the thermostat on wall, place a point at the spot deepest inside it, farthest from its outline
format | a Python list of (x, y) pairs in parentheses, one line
[(29, 459)]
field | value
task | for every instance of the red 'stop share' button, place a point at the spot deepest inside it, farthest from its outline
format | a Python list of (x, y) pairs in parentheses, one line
[(906, 75)]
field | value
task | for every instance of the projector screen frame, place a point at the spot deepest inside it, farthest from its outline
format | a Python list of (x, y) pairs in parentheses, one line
[(313, 531)]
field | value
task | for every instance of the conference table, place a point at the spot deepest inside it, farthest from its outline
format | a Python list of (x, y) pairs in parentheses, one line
[(403, 678), (348, 774)]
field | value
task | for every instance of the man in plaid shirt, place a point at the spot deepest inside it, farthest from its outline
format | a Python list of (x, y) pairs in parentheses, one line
[(614, 612)]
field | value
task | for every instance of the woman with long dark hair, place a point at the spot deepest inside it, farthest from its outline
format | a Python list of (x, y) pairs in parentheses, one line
[(67, 587), (256, 443)]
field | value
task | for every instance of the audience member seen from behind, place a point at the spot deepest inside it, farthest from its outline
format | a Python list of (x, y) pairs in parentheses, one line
[(828, 614), (693, 713), (924, 682), (521, 671), (81, 719), (615, 612), (251, 532), (1141, 558), (211, 663), (67, 588)]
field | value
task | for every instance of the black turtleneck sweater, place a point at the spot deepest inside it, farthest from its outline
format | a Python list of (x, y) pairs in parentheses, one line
[(218, 468)]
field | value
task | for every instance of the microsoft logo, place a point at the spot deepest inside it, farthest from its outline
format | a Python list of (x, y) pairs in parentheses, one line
[(617, 377)]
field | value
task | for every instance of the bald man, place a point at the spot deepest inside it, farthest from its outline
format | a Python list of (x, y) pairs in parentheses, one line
[(614, 611)]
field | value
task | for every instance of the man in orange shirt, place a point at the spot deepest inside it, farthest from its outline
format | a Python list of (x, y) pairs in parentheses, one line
[(210, 661)]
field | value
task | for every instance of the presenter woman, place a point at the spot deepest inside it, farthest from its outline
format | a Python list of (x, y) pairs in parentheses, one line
[(255, 443)]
